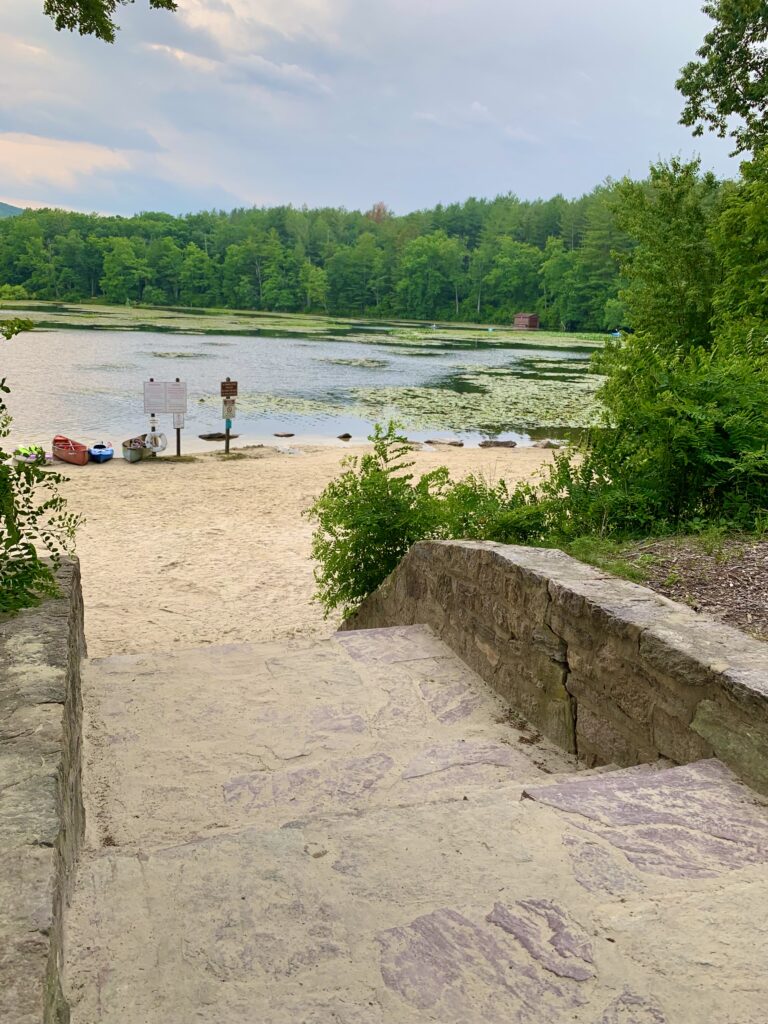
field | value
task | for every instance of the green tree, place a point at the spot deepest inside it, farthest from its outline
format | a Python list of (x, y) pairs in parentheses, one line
[(93, 17), (70, 257), (124, 272), (198, 282), (671, 272), (432, 275), (595, 266), (165, 261), (726, 90), (558, 277), (38, 266), (356, 276), (241, 280), (740, 237), (513, 282), (314, 284)]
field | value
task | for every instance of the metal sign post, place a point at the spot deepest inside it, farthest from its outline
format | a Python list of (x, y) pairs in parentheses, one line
[(228, 394)]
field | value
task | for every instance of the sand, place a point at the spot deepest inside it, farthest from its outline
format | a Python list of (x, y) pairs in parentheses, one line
[(217, 551)]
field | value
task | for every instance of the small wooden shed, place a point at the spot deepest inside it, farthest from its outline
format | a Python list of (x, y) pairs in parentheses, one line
[(526, 321)]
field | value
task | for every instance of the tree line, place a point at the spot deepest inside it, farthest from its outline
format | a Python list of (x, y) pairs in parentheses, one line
[(484, 259)]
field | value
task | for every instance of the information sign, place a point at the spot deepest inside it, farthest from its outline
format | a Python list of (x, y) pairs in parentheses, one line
[(229, 388), (165, 396), (178, 420), (228, 409)]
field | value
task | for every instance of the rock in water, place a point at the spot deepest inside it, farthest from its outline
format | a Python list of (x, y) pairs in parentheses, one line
[(498, 444), (546, 443), (283, 435), (447, 440), (345, 437)]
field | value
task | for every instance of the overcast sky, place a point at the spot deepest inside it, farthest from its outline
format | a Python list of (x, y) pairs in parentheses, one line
[(342, 102)]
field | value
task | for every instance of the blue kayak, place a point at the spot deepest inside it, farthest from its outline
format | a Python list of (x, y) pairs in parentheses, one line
[(101, 453)]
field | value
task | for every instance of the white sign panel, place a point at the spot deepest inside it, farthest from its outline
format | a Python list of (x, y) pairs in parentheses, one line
[(165, 396), (176, 396), (178, 421), (228, 409)]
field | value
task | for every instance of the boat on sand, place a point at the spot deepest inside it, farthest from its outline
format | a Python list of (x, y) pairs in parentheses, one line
[(67, 450), (101, 452), (135, 449)]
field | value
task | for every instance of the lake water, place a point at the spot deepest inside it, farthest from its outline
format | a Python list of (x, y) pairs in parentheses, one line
[(88, 384)]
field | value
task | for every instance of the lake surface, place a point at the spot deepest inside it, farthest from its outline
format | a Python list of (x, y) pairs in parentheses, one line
[(88, 385)]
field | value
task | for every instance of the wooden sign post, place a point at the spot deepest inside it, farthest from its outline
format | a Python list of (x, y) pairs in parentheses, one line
[(229, 394)]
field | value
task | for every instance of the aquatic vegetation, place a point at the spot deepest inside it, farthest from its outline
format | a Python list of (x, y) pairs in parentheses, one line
[(257, 403), (180, 355), (494, 405), (365, 364)]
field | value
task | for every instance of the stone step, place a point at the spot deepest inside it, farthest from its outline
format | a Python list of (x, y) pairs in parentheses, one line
[(186, 743), (334, 831), (693, 821)]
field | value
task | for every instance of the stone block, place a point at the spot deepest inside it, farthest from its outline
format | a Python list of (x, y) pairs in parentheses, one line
[(736, 740), (625, 690), (675, 740), (605, 736)]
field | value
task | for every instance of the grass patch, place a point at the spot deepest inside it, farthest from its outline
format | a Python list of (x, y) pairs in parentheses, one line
[(621, 559), (174, 458)]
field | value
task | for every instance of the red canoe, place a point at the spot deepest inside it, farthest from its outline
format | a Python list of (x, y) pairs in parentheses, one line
[(70, 451)]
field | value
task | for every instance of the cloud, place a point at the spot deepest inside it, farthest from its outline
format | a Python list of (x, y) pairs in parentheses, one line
[(249, 70), (19, 47), (238, 25), (342, 102), (187, 60), (29, 159)]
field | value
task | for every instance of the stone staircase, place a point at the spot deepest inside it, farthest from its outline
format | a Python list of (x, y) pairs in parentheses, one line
[(355, 831)]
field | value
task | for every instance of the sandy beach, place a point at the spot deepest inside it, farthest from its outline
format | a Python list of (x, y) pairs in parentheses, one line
[(217, 551)]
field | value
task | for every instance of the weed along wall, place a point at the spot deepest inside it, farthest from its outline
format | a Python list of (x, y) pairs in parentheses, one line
[(41, 810), (606, 668)]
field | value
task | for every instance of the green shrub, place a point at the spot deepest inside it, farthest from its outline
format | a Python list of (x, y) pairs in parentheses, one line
[(369, 517), (33, 517)]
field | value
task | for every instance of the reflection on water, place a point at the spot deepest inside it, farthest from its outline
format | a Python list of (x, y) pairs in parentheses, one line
[(88, 384)]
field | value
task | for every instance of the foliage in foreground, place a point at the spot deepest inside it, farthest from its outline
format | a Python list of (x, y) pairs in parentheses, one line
[(93, 17), (33, 517)]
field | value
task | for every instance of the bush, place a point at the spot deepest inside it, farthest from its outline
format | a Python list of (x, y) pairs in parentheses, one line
[(369, 517), (10, 292), (27, 521)]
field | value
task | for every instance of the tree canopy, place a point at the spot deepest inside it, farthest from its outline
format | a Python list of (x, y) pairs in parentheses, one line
[(726, 90), (93, 17), (481, 259)]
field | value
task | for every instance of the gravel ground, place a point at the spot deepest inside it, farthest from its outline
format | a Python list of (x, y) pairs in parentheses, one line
[(727, 578)]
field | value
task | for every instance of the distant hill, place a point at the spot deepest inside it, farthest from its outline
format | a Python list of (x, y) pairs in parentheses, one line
[(9, 211)]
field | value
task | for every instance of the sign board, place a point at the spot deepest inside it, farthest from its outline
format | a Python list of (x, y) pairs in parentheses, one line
[(165, 396), (178, 421), (228, 409), (229, 388)]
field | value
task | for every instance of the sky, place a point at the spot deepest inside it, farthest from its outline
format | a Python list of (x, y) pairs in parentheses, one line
[(231, 103)]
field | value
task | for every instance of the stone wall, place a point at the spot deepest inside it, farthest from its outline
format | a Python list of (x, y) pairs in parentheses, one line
[(41, 809), (608, 669)]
